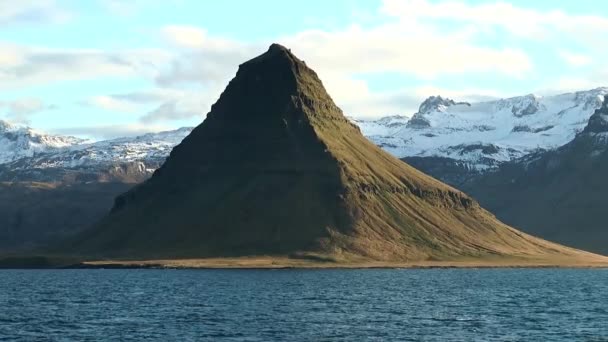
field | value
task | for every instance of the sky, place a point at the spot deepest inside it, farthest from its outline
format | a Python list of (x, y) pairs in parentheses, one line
[(108, 68)]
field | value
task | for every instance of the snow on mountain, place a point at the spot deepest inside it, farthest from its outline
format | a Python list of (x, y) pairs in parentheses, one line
[(149, 147), (19, 142), (478, 135), (486, 134), (385, 126)]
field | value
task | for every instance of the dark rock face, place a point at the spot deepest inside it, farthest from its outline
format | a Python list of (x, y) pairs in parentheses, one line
[(530, 109), (433, 103), (418, 121), (276, 168), (598, 123)]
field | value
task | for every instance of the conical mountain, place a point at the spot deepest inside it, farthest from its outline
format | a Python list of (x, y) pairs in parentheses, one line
[(277, 169)]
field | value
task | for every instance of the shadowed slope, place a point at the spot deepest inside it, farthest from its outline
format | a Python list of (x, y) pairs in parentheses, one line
[(276, 168)]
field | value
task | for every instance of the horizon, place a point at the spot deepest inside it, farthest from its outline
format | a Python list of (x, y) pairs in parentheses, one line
[(173, 60)]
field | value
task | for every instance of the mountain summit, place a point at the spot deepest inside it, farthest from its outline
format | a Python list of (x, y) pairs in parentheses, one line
[(277, 169)]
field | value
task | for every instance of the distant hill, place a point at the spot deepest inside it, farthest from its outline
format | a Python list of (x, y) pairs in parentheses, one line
[(276, 169)]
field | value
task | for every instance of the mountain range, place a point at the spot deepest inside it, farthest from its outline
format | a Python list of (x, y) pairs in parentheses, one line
[(558, 194), (467, 145), (277, 170), (474, 137)]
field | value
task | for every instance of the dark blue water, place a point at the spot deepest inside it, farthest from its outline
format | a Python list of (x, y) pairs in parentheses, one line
[(305, 305)]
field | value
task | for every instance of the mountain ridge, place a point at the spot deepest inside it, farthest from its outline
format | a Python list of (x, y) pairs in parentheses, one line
[(469, 147), (555, 194)]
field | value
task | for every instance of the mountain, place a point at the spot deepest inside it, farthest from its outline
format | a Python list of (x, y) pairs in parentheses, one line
[(456, 141), (19, 142), (35, 214), (453, 141), (276, 169), (52, 187), (130, 159), (557, 194)]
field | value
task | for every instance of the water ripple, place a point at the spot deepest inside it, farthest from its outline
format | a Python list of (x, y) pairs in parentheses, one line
[(304, 305)]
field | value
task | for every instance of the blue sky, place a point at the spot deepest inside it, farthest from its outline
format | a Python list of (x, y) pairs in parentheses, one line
[(107, 68)]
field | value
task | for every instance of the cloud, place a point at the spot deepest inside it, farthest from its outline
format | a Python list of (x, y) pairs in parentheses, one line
[(419, 40), (340, 55), (575, 59), (110, 103), (169, 104), (403, 49), (586, 81), (520, 21), (184, 36), (150, 96), (21, 110), (128, 8), (170, 111), (202, 59), (24, 12), (26, 66), (102, 132)]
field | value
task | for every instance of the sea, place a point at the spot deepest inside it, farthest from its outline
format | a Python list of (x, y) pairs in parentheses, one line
[(304, 305)]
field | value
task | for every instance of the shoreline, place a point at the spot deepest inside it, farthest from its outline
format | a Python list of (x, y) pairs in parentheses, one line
[(284, 263)]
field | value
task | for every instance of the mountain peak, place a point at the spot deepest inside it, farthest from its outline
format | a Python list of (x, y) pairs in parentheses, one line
[(275, 52), (431, 104), (598, 122), (434, 103), (271, 83)]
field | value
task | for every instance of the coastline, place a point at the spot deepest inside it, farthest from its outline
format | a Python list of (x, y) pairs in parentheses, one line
[(288, 263)]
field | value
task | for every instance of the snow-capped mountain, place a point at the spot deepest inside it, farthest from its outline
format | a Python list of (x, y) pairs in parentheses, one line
[(149, 147), (32, 156), (443, 137), (18, 142), (486, 134)]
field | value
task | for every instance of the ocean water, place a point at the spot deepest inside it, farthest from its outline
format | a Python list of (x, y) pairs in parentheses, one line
[(304, 305)]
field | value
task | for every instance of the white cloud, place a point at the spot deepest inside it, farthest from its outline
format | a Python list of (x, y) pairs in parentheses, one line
[(21, 110), (156, 105), (575, 59), (173, 110), (110, 103), (520, 21), (101, 132), (128, 8), (568, 84), (416, 50), (31, 12), (184, 36), (26, 66), (419, 39)]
